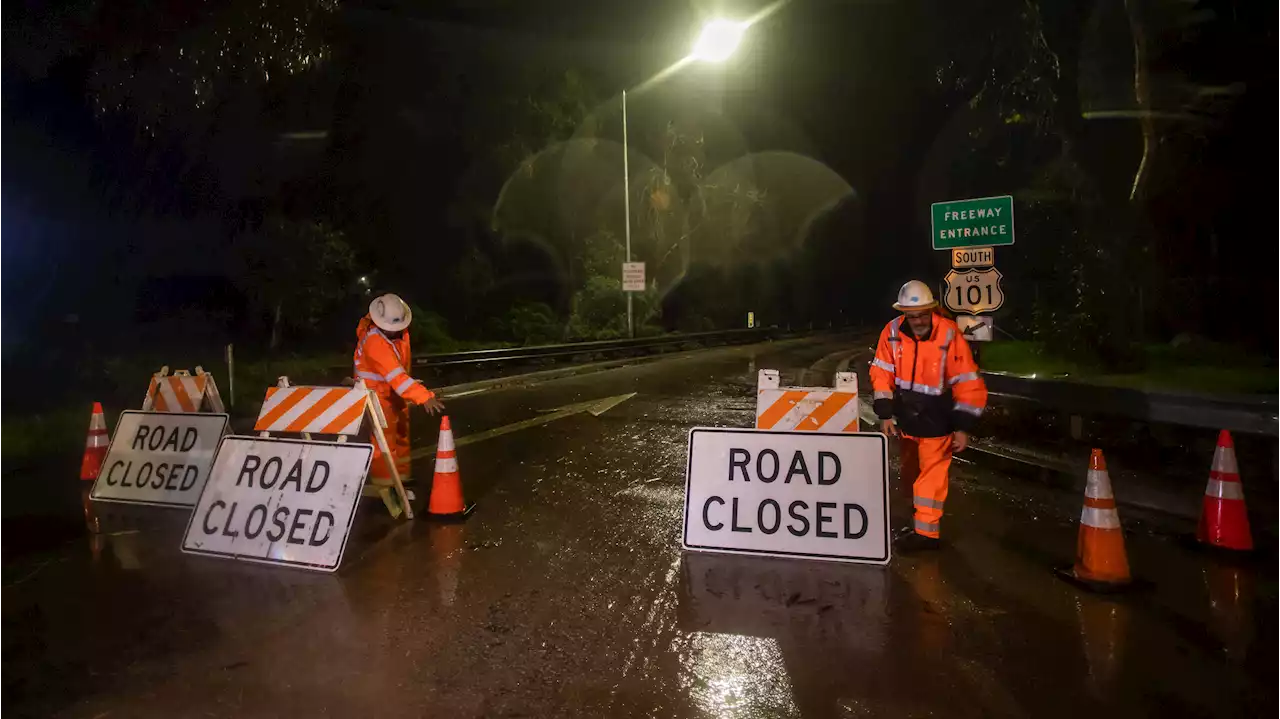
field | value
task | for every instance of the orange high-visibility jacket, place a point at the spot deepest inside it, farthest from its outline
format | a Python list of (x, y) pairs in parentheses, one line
[(383, 364), (930, 386)]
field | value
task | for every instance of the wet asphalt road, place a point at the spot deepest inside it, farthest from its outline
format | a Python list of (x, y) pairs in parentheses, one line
[(567, 594)]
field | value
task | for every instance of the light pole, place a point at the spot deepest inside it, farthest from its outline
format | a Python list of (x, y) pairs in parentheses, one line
[(718, 40)]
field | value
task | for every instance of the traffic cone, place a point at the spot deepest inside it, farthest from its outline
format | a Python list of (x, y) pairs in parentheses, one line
[(446, 488), (1224, 523), (95, 446), (1101, 562)]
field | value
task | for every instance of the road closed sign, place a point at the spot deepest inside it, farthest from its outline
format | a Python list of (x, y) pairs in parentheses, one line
[(279, 501), (159, 458), (788, 494)]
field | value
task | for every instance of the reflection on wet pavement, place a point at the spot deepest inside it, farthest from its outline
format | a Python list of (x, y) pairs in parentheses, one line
[(566, 594)]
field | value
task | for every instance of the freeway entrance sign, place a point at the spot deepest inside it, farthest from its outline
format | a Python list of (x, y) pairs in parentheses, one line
[(980, 222)]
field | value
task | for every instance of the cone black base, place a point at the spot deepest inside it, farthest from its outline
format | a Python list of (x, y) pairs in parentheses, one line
[(1068, 574), (454, 517)]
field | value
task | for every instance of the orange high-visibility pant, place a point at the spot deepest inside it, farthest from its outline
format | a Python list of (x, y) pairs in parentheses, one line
[(396, 411), (929, 488)]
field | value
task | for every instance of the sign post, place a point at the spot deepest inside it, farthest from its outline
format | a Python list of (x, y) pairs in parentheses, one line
[(980, 222), (799, 494)]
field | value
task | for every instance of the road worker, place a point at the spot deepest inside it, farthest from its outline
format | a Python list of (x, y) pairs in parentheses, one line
[(929, 393), (383, 361)]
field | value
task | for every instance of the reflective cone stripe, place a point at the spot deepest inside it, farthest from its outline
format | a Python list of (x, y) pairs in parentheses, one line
[(317, 410), (1100, 553), (177, 394), (95, 445), (807, 410), (1224, 519)]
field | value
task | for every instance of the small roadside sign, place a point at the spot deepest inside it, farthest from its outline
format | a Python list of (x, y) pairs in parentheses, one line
[(974, 291), (799, 494), (751, 320), (279, 501), (976, 328), (973, 257), (159, 458), (633, 277), (980, 222)]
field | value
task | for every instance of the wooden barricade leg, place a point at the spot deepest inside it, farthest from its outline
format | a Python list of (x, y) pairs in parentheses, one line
[(149, 402), (378, 421), (211, 392)]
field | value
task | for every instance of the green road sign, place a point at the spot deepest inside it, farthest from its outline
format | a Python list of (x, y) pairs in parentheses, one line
[(980, 222)]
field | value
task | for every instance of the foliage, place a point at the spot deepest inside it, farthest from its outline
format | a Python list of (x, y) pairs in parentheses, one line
[(528, 323), (294, 272)]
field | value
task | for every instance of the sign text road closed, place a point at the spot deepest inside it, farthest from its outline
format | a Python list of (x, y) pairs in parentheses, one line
[(279, 501), (788, 494), (980, 222), (159, 458)]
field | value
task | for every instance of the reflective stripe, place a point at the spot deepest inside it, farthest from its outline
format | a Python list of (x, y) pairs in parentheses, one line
[(966, 407), (893, 328), (883, 395), (370, 376), (96, 440), (951, 335), (395, 373), (1224, 490), (1100, 518), (919, 387), (922, 526), (926, 502), (1097, 485), (403, 386), (877, 362), (446, 464), (967, 376), (1224, 461)]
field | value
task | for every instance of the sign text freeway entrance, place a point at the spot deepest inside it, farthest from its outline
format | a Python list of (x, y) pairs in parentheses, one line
[(980, 222)]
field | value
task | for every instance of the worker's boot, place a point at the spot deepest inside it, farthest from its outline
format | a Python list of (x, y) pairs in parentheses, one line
[(915, 542)]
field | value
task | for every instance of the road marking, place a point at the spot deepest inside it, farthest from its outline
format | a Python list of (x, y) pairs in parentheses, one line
[(595, 407)]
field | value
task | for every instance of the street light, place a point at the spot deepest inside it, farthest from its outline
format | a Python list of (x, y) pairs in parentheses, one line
[(717, 42)]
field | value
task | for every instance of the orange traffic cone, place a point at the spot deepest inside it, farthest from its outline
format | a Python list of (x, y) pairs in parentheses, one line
[(95, 446), (446, 488), (1224, 523), (1101, 562)]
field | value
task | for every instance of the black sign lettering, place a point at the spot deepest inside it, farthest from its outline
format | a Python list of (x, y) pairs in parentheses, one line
[(116, 465), (823, 519), (298, 524), (172, 484), (189, 439), (733, 517), (156, 440), (161, 473), (706, 510), (231, 515), (321, 516), (205, 525), (804, 521), (275, 473), (798, 467), (760, 466), (189, 476), (777, 516), (249, 531), (822, 468), (295, 476), (140, 439), (857, 508), (736, 454), (171, 444), (277, 519), (312, 487), (251, 464)]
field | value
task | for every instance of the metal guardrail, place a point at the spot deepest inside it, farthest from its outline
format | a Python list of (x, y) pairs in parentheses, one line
[(480, 358), (1238, 413)]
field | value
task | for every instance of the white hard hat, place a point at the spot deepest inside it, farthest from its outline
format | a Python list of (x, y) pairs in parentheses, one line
[(915, 295), (390, 313)]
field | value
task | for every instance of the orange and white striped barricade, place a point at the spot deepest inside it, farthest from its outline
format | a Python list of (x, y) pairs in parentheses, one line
[(807, 409), (337, 411), (182, 392)]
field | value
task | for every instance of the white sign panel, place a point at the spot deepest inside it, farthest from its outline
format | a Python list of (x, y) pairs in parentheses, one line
[(159, 458), (974, 291), (975, 328), (788, 494), (633, 277), (279, 501), (973, 257)]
